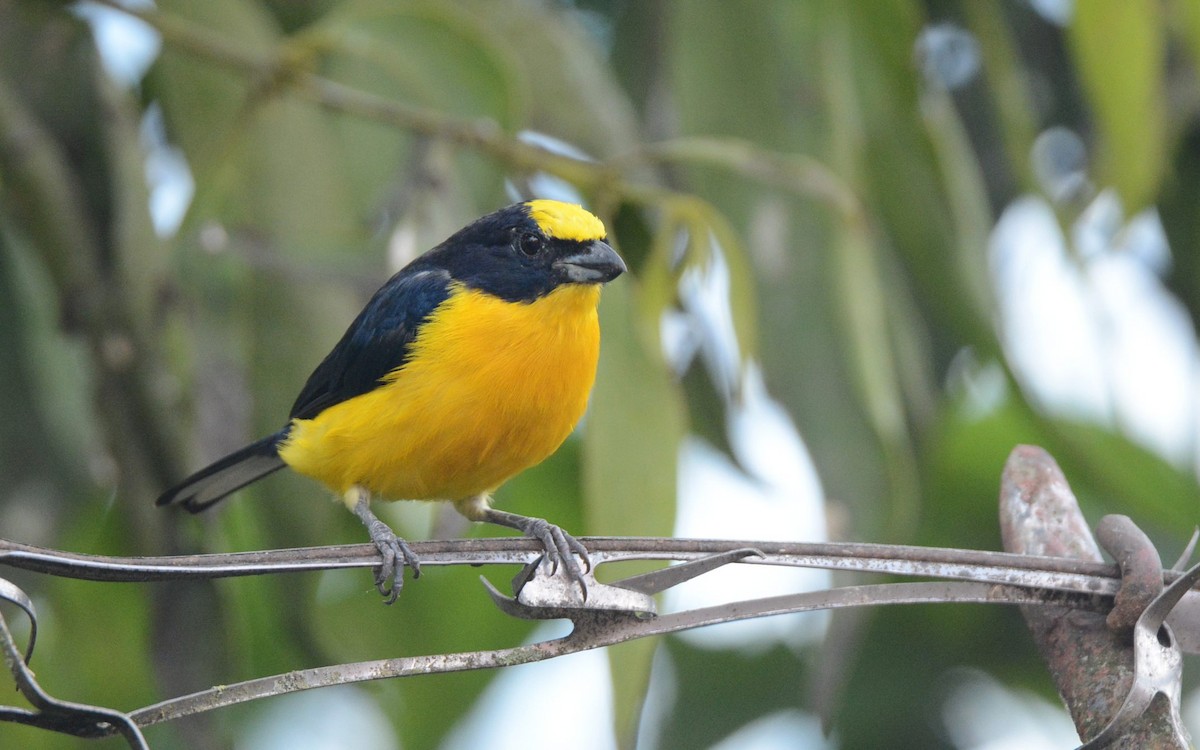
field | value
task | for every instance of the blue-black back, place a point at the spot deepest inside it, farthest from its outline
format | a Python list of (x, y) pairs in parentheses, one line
[(484, 255)]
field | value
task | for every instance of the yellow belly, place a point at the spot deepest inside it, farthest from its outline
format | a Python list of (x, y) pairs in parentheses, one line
[(490, 389)]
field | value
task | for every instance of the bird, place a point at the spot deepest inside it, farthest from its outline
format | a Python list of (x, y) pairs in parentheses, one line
[(471, 364)]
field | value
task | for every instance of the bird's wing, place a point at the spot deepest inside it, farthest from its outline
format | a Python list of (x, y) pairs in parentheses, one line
[(376, 343)]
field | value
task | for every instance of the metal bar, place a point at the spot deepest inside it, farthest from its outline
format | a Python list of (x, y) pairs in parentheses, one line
[(594, 629), (932, 562)]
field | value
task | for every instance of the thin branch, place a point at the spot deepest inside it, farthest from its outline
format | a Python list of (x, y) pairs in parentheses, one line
[(288, 68), (796, 173)]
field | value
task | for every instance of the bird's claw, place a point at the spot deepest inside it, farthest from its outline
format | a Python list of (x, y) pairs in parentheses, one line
[(562, 548), (394, 554)]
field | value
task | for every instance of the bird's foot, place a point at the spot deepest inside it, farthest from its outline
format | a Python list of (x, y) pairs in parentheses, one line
[(561, 548), (394, 553)]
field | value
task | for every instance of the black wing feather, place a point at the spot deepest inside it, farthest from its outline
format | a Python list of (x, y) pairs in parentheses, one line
[(230, 474), (377, 342)]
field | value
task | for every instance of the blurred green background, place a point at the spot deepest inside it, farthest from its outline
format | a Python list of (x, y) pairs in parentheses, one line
[(847, 161)]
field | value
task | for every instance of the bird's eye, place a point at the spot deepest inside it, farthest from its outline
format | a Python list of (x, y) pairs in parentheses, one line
[(530, 244)]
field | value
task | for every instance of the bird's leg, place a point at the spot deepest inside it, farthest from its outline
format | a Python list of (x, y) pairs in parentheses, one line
[(388, 580), (559, 545)]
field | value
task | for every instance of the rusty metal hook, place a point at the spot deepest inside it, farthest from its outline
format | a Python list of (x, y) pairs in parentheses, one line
[(1157, 658)]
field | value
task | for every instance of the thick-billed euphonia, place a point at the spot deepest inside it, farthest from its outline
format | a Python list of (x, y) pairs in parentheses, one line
[(471, 364)]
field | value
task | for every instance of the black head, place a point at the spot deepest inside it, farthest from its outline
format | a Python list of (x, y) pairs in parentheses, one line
[(527, 250)]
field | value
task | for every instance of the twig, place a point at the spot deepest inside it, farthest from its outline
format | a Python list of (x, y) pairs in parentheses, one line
[(288, 68)]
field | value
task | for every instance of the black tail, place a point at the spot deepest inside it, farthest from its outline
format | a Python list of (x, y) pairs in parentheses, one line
[(231, 473)]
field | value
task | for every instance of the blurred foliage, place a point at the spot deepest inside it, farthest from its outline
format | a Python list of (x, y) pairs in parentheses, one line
[(849, 191)]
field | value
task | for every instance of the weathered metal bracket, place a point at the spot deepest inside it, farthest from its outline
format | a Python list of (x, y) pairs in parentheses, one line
[(1157, 668), (539, 596), (1109, 668)]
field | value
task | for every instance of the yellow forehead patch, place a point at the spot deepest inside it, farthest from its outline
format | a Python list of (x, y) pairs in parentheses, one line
[(565, 221)]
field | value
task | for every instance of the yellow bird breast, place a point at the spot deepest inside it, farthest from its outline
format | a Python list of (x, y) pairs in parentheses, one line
[(490, 388)]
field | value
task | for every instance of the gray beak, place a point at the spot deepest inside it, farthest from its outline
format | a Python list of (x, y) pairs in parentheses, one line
[(595, 264)]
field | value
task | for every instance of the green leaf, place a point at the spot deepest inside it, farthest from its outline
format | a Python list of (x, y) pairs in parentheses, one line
[(1125, 87), (203, 103), (567, 81), (630, 664), (969, 209), (634, 427), (1108, 472), (721, 690), (1010, 87), (1185, 21), (432, 55), (864, 299)]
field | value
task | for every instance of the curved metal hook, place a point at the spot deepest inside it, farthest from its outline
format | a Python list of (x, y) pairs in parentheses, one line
[(1157, 666), (10, 592)]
